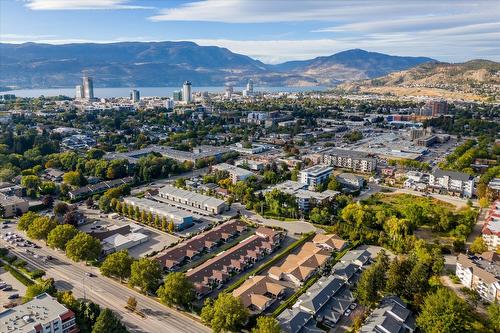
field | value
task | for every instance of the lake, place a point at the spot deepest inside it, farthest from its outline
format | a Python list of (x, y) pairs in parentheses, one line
[(148, 91)]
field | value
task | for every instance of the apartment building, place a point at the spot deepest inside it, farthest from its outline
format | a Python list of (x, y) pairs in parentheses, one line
[(350, 159), (481, 274), (453, 182), (188, 200), (491, 227), (13, 205), (315, 175), (88, 190), (235, 173), (42, 314)]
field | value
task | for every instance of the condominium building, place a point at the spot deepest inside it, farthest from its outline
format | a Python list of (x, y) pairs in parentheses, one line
[(13, 205), (43, 314), (452, 182), (349, 159), (315, 175), (481, 274), (187, 200), (491, 227), (235, 173)]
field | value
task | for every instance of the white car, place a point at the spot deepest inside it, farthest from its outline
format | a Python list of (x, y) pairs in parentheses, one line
[(347, 312)]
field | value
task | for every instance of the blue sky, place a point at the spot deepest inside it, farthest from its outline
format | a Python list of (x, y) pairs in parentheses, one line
[(270, 30)]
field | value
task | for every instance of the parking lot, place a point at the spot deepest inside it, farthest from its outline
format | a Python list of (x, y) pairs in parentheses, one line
[(13, 286)]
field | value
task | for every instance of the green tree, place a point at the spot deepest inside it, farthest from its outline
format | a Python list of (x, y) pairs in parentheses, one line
[(145, 273), (266, 324), (31, 182), (43, 286), (108, 322), (26, 220), (41, 227), (333, 184), (74, 178), (226, 313), (444, 312), (494, 316), (83, 247), (397, 272), (61, 235), (171, 226), (61, 208), (117, 264), (176, 290), (105, 204), (478, 246)]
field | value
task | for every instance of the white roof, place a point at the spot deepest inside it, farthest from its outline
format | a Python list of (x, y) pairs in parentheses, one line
[(202, 199)]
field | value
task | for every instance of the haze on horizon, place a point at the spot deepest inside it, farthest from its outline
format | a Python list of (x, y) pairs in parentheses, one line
[(271, 31)]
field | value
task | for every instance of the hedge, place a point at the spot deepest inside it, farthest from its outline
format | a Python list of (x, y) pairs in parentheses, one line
[(271, 262), (19, 276)]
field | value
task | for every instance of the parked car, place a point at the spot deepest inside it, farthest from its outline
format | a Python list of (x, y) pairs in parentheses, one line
[(13, 296), (353, 306), (89, 274), (7, 288), (347, 312)]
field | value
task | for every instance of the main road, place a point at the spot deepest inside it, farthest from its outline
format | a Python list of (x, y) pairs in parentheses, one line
[(109, 293)]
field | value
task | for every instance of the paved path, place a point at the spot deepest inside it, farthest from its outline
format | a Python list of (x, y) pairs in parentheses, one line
[(446, 281), (109, 293), (476, 230)]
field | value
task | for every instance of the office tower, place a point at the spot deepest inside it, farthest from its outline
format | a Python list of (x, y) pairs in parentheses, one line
[(79, 92), (88, 88), (229, 92), (169, 103), (186, 92), (135, 96), (250, 86), (177, 95)]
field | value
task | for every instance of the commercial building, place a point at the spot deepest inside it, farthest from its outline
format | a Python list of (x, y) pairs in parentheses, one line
[(491, 227), (186, 92), (254, 149), (79, 92), (42, 314), (187, 200), (437, 107), (236, 174), (214, 272), (119, 242), (350, 159), (177, 95), (481, 274), (181, 218), (13, 205), (391, 316), (250, 164), (249, 89), (315, 175), (351, 181), (175, 257), (78, 142), (452, 182), (85, 191)]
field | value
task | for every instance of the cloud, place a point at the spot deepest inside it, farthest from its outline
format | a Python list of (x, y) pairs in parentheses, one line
[(81, 4)]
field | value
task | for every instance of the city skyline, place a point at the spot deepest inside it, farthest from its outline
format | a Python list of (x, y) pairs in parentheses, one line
[(272, 32)]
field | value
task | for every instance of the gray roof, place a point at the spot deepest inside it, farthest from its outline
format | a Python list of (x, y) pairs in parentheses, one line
[(391, 316), (296, 321), (452, 174), (356, 255), (320, 293)]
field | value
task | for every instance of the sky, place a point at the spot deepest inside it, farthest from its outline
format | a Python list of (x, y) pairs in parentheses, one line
[(273, 31)]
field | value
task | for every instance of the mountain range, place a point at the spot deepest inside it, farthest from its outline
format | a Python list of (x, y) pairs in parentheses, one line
[(129, 64), (472, 80)]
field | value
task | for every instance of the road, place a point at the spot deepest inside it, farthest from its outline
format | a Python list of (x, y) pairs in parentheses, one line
[(109, 293)]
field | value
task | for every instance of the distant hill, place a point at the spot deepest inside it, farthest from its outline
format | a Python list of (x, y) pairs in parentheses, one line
[(472, 80), (32, 65)]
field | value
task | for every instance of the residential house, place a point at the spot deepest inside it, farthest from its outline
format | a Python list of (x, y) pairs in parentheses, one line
[(391, 316), (258, 293)]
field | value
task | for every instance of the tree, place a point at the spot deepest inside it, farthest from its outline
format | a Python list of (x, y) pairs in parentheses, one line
[(333, 184), (61, 235), (48, 188), (48, 200), (41, 227), (31, 182), (444, 312), (132, 303), (83, 247), (26, 220), (61, 208), (117, 264), (145, 273), (107, 322), (176, 290), (478, 246), (74, 178), (372, 281), (89, 202), (494, 316), (226, 313), (105, 203), (396, 275), (43, 286), (171, 226), (71, 218), (266, 324)]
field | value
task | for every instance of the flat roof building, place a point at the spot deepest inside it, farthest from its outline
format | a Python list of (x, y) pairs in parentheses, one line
[(315, 175), (42, 314), (13, 205), (235, 173), (187, 199)]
